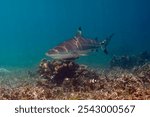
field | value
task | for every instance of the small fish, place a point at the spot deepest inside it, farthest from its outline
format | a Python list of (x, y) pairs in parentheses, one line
[(78, 46)]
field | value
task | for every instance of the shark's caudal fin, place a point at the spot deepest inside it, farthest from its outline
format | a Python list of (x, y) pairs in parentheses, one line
[(105, 43)]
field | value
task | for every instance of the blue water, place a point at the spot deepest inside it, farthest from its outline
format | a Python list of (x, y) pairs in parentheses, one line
[(28, 28)]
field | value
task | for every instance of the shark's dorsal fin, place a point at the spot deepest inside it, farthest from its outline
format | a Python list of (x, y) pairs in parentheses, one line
[(79, 32)]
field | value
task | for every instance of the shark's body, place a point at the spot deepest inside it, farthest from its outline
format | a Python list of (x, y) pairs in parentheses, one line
[(77, 46)]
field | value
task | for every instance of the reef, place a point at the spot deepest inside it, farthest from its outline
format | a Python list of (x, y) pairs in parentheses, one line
[(143, 73), (128, 62), (59, 70), (70, 81)]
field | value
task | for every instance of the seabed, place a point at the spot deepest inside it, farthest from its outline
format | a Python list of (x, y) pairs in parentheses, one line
[(67, 80)]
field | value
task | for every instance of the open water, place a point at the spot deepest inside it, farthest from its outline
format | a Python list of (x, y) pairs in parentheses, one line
[(29, 28)]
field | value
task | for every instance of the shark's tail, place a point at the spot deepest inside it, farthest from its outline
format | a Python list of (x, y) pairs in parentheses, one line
[(104, 43)]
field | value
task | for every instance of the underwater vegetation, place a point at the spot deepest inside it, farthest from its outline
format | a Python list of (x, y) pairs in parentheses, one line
[(69, 80)]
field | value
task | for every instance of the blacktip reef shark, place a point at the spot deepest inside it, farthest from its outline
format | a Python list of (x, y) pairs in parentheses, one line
[(78, 46)]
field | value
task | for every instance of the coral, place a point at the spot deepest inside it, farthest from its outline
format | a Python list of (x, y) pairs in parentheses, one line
[(128, 62), (143, 72), (82, 83), (126, 87), (57, 70)]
